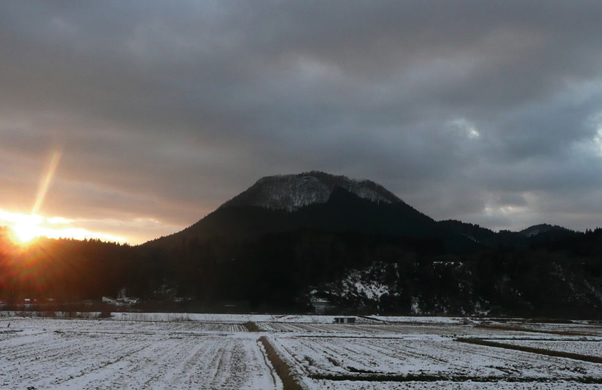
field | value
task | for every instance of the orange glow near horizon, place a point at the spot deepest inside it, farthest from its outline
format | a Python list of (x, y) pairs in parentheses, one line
[(26, 227)]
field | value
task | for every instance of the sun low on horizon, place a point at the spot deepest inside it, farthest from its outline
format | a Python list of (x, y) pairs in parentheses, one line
[(25, 228)]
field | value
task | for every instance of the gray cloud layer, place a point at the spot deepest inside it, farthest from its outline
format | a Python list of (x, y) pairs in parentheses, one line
[(490, 112)]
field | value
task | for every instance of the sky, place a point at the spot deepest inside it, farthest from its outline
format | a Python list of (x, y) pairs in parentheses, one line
[(136, 119)]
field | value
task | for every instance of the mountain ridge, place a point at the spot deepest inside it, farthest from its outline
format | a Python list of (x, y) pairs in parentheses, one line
[(313, 200), (289, 202)]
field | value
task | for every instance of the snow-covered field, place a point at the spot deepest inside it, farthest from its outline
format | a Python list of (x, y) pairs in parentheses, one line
[(76, 354), (438, 385), (204, 351), (430, 356), (586, 347)]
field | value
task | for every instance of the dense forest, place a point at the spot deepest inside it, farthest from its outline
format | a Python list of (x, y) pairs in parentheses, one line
[(557, 275)]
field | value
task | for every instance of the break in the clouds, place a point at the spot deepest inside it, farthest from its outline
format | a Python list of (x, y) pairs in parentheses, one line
[(489, 112)]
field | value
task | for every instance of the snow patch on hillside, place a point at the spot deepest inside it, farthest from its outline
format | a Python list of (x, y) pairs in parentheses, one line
[(362, 285), (291, 192)]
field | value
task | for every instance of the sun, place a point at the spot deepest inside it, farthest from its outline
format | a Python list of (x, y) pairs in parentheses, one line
[(25, 230)]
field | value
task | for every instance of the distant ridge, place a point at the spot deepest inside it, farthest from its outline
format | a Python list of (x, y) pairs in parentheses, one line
[(544, 228)]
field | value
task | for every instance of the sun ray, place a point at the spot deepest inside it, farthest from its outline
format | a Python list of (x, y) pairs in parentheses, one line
[(46, 181), (26, 227)]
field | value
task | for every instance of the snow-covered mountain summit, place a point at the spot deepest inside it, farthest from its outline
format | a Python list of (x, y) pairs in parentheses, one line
[(291, 192)]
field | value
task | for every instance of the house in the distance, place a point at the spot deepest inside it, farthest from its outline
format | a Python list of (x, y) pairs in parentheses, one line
[(344, 320)]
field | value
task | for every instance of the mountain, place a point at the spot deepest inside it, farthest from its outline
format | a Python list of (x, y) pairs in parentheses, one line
[(545, 230), (291, 192), (325, 202), (318, 201)]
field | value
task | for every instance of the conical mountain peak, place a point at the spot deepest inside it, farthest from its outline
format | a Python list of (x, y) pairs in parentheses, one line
[(291, 192)]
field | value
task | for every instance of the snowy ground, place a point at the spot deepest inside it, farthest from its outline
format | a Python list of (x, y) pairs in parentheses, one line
[(203, 351), (76, 354), (588, 347)]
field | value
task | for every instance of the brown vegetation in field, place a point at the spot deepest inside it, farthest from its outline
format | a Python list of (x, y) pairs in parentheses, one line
[(251, 326), (282, 368)]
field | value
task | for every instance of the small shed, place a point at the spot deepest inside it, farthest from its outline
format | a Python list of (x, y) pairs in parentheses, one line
[(321, 306), (344, 320)]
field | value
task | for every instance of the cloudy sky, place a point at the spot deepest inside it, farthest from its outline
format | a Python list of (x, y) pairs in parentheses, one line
[(154, 113)]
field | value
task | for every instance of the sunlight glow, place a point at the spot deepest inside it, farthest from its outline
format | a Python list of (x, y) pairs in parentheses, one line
[(25, 228)]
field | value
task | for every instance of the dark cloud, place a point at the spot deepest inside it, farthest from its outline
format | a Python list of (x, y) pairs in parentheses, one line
[(484, 111)]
